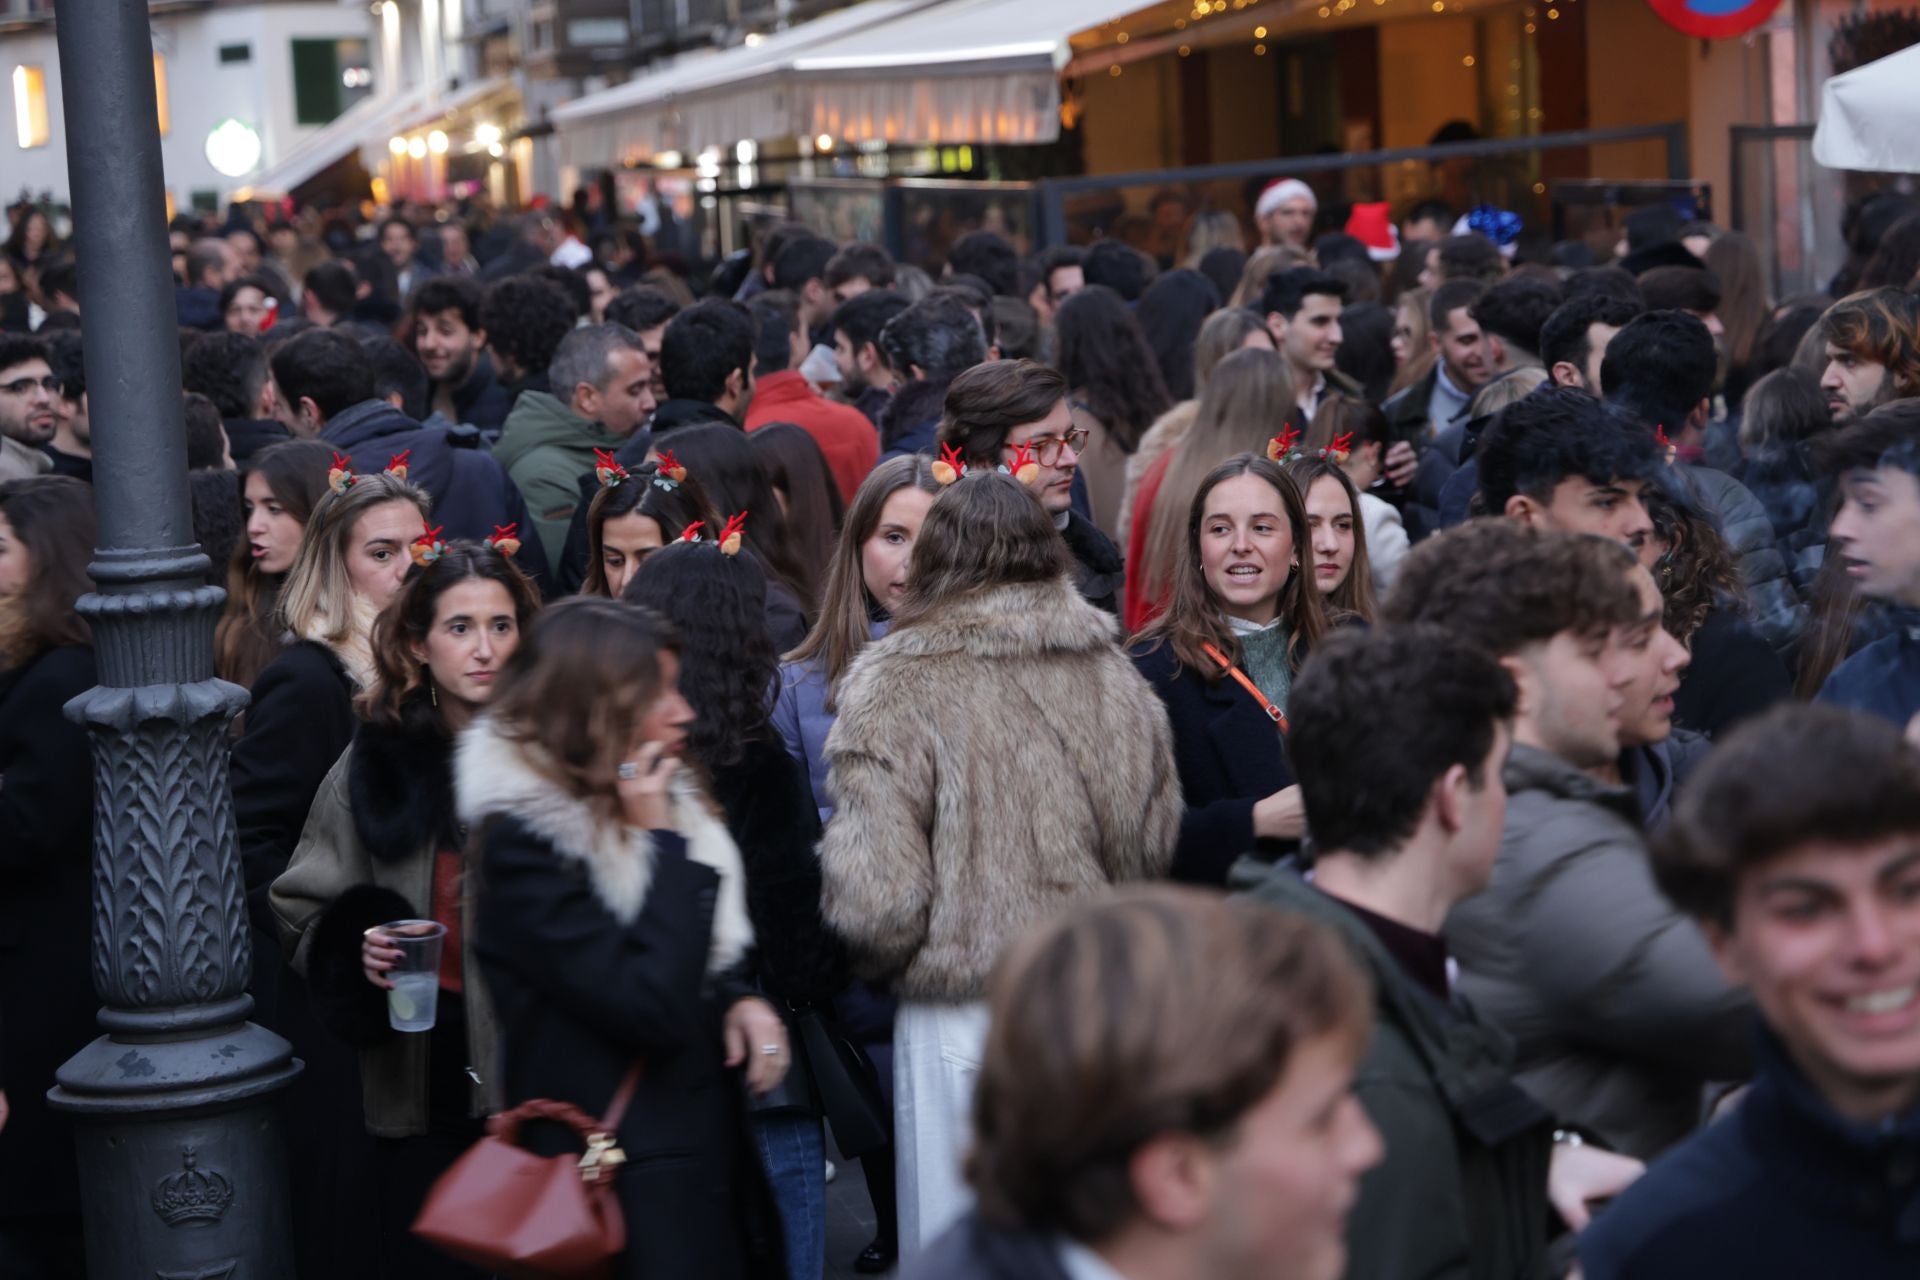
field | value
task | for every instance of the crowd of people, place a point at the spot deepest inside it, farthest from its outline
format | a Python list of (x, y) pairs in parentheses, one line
[(1341, 752)]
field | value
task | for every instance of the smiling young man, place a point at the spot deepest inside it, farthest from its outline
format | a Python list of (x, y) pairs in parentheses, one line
[(1424, 410), (1797, 847), (994, 408), (1302, 306), (1872, 352), (1560, 460), (1876, 534), (1615, 1004), (452, 344)]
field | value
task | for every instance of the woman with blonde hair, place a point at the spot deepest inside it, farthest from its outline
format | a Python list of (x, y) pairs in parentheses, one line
[(612, 931), (995, 759), (1413, 351), (1224, 332), (1212, 229), (1249, 400), (1241, 620), (1263, 266)]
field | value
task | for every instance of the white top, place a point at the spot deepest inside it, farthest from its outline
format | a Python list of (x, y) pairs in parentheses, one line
[(1386, 540), (1082, 1263)]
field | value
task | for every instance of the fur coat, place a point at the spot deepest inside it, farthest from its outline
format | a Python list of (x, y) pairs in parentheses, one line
[(495, 776), (990, 765)]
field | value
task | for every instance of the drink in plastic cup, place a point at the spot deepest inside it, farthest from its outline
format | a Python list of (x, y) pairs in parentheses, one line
[(415, 996)]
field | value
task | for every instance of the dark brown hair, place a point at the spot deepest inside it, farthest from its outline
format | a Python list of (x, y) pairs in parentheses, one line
[(1152, 1010), (989, 400), (52, 517), (642, 493), (1193, 619), (1697, 571), (247, 639), (798, 472), (575, 691), (1879, 326), (987, 530), (1502, 585), (1799, 774), (399, 695)]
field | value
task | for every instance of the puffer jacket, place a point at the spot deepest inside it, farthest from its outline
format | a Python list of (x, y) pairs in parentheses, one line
[(1776, 610), (1615, 1005), (990, 764)]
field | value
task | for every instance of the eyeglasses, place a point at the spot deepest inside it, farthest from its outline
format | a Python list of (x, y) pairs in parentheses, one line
[(1047, 448), (20, 386)]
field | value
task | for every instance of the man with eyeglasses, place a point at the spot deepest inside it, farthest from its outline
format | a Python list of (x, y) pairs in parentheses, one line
[(29, 408), (991, 411)]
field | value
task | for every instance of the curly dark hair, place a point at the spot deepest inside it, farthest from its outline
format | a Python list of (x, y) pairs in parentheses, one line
[(1107, 362), (525, 318), (1696, 573), (717, 604)]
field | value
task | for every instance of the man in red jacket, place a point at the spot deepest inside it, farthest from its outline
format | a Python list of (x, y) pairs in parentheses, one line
[(781, 394)]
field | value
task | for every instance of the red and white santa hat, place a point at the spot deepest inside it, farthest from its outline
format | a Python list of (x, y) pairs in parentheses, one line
[(1281, 190), (1372, 225)]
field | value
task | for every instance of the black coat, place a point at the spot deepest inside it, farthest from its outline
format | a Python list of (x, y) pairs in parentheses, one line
[(300, 722), (1230, 757), (47, 1001), (481, 401), (248, 436), (471, 492), (772, 816), (1099, 570), (581, 996), (1734, 674)]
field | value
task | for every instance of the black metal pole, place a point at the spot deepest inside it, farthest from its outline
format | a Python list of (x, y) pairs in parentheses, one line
[(181, 1166)]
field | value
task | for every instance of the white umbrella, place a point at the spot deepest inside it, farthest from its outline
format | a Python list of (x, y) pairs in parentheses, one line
[(1870, 117)]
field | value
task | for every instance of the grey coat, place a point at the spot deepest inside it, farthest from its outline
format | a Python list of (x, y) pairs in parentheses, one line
[(1615, 1005)]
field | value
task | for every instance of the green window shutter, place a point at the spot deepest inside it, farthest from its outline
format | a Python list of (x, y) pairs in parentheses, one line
[(316, 81)]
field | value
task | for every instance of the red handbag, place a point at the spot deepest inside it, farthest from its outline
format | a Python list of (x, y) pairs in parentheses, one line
[(534, 1217)]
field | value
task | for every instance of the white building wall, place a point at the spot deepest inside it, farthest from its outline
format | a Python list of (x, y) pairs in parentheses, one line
[(202, 91)]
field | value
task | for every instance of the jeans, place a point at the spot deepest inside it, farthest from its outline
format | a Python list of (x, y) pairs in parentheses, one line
[(794, 1153)]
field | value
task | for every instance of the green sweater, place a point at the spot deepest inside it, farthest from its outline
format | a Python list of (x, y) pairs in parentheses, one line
[(1263, 656), (546, 447)]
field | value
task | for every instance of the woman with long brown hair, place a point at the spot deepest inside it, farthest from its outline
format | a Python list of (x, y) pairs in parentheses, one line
[(1744, 308), (1116, 391), (637, 511), (381, 844), (47, 1002), (1249, 399), (1342, 572), (611, 928), (278, 490), (1242, 617)]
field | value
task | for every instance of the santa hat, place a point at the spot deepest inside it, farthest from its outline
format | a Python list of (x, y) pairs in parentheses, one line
[(1281, 190), (1372, 225)]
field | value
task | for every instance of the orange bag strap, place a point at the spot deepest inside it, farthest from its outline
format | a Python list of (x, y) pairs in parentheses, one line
[(1266, 704)]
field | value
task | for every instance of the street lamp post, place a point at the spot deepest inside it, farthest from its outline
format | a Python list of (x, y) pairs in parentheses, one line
[(181, 1166)]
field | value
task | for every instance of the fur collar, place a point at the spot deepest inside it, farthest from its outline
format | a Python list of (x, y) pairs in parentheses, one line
[(494, 776), (1019, 621), (400, 783)]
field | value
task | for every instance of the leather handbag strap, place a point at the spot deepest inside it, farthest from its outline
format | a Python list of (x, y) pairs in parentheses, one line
[(617, 1109)]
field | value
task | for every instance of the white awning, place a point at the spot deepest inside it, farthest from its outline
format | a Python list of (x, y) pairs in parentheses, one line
[(900, 71), (365, 127), (331, 143), (1870, 117)]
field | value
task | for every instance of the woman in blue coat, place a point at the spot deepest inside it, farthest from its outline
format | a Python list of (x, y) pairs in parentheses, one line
[(1223, 656)]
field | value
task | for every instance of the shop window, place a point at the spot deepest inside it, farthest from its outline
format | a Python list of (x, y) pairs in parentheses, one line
[(588, 32), (232, 53), (30, 106), (328, 77)]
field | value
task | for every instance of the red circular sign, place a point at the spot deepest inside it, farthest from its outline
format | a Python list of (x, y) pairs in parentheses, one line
[(1714, 19)]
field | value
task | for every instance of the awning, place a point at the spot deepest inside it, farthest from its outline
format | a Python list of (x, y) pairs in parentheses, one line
[(899, 71), (1870, 117), (365, 127), (331, 142)]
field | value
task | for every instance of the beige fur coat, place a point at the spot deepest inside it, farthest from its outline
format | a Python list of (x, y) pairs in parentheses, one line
[(990, 765)]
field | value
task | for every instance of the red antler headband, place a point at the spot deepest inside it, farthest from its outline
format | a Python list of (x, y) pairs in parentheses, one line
[(1340, 449), (1282, 446), (667, 472), (692, 532), (607, 470), (429, 546), (951, 466), (505, 539), (1024, 467), (397, 466), (340, 475), (730, 534)]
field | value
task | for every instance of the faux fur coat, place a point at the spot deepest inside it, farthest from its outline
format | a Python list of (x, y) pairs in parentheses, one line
[(990, 765)]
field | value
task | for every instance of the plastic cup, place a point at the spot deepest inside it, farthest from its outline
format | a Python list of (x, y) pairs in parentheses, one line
[(415, 996)]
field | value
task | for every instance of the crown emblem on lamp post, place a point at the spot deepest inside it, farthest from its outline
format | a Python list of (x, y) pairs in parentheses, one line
[(192, 1195)]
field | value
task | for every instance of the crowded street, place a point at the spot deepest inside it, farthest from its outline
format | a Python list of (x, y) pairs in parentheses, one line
[(960, 639)]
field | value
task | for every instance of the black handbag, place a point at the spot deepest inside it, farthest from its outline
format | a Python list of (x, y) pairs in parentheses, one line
[(848, 1087)]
